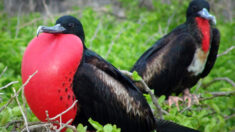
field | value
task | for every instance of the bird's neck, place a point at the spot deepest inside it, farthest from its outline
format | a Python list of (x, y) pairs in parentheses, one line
[(84, 46), (204, 27)]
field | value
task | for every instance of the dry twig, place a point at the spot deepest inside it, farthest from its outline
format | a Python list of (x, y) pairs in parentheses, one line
[(169, 21), (199, 84), (112, 43), (150, 38), (106, 11), (219, 79), (13, 122), (48, 125), (4, 70), (11, 99), (4, 106), (229, 117), (41, 18), (95, 34), (74, 103), (39, 125), (62, 125), (47, 9), (21, 110), (147, 89), (31, 22), (218, 94), (66, 125), (18, 20), (24, 102), (9, 84), (214, 95), (226, 51), (141, 24), (186, 108)]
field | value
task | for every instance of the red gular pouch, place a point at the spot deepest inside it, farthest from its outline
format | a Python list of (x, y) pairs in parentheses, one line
[(56, 57)]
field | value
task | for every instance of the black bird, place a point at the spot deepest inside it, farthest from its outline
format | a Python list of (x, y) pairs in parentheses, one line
[(104, 94), (178, 60)]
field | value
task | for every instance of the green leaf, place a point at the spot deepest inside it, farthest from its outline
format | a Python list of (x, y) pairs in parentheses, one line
[(5, 116), (16, 111), (136, 76), (95, 124), (3, 129), (108, 128), (69, 130), (81, 128), (139, 31), (161, 99), (215, 107), (111, 128)]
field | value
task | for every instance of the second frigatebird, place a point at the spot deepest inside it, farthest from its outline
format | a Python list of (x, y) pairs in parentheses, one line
[(177, 61)]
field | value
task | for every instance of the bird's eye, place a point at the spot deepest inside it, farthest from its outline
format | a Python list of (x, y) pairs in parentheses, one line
[(71, 24)]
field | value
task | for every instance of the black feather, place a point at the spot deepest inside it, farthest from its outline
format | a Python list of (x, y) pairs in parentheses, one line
[(98, 101), (167, 126)]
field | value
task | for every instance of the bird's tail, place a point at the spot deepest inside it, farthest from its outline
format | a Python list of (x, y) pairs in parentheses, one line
[(167, 126)]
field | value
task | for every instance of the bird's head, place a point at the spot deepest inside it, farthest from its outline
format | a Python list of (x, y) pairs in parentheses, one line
[(200, 8), (66, 25)]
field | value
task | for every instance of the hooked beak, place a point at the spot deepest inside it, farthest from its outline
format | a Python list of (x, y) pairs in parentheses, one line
[(55, 29), (205, 14)]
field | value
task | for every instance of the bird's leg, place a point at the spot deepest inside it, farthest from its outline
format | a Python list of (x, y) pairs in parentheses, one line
[(190, 97), (174, 100)]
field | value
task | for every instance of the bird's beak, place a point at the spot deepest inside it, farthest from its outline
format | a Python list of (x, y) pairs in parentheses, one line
[(55, 29), (205, 14)]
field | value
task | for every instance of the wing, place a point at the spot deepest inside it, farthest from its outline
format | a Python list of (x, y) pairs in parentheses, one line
[(140, 65), (107, 100), (97, 61), (213, 52), (166, 68)]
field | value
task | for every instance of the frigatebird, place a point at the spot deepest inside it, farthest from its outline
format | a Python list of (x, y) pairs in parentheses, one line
[(102, 91), (179, 59)]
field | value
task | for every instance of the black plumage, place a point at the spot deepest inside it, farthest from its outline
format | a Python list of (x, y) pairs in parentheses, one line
[(183, 56), (106, 95)]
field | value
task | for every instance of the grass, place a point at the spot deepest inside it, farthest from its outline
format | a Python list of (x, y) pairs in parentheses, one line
[(122, 42)]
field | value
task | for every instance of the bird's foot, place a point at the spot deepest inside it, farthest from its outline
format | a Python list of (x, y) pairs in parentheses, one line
[(190, 97), (174, 100)]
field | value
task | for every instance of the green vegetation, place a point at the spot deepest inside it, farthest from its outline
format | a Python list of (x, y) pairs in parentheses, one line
[(121, 42)]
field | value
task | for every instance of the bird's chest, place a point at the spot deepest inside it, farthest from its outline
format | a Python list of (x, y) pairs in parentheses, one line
[(198, 63), (200, 57)]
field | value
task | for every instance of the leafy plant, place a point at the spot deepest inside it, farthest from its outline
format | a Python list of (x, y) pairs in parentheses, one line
[(122, 42), (105, 128)]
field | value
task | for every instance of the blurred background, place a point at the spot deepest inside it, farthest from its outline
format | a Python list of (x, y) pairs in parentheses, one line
[(120, 31), (223, 7)]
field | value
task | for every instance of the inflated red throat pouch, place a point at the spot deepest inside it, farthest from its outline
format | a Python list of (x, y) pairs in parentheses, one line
[(56, 57)]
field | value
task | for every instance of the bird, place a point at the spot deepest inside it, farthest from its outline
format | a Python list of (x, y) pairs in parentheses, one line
[(180, 58), (102, 92)]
